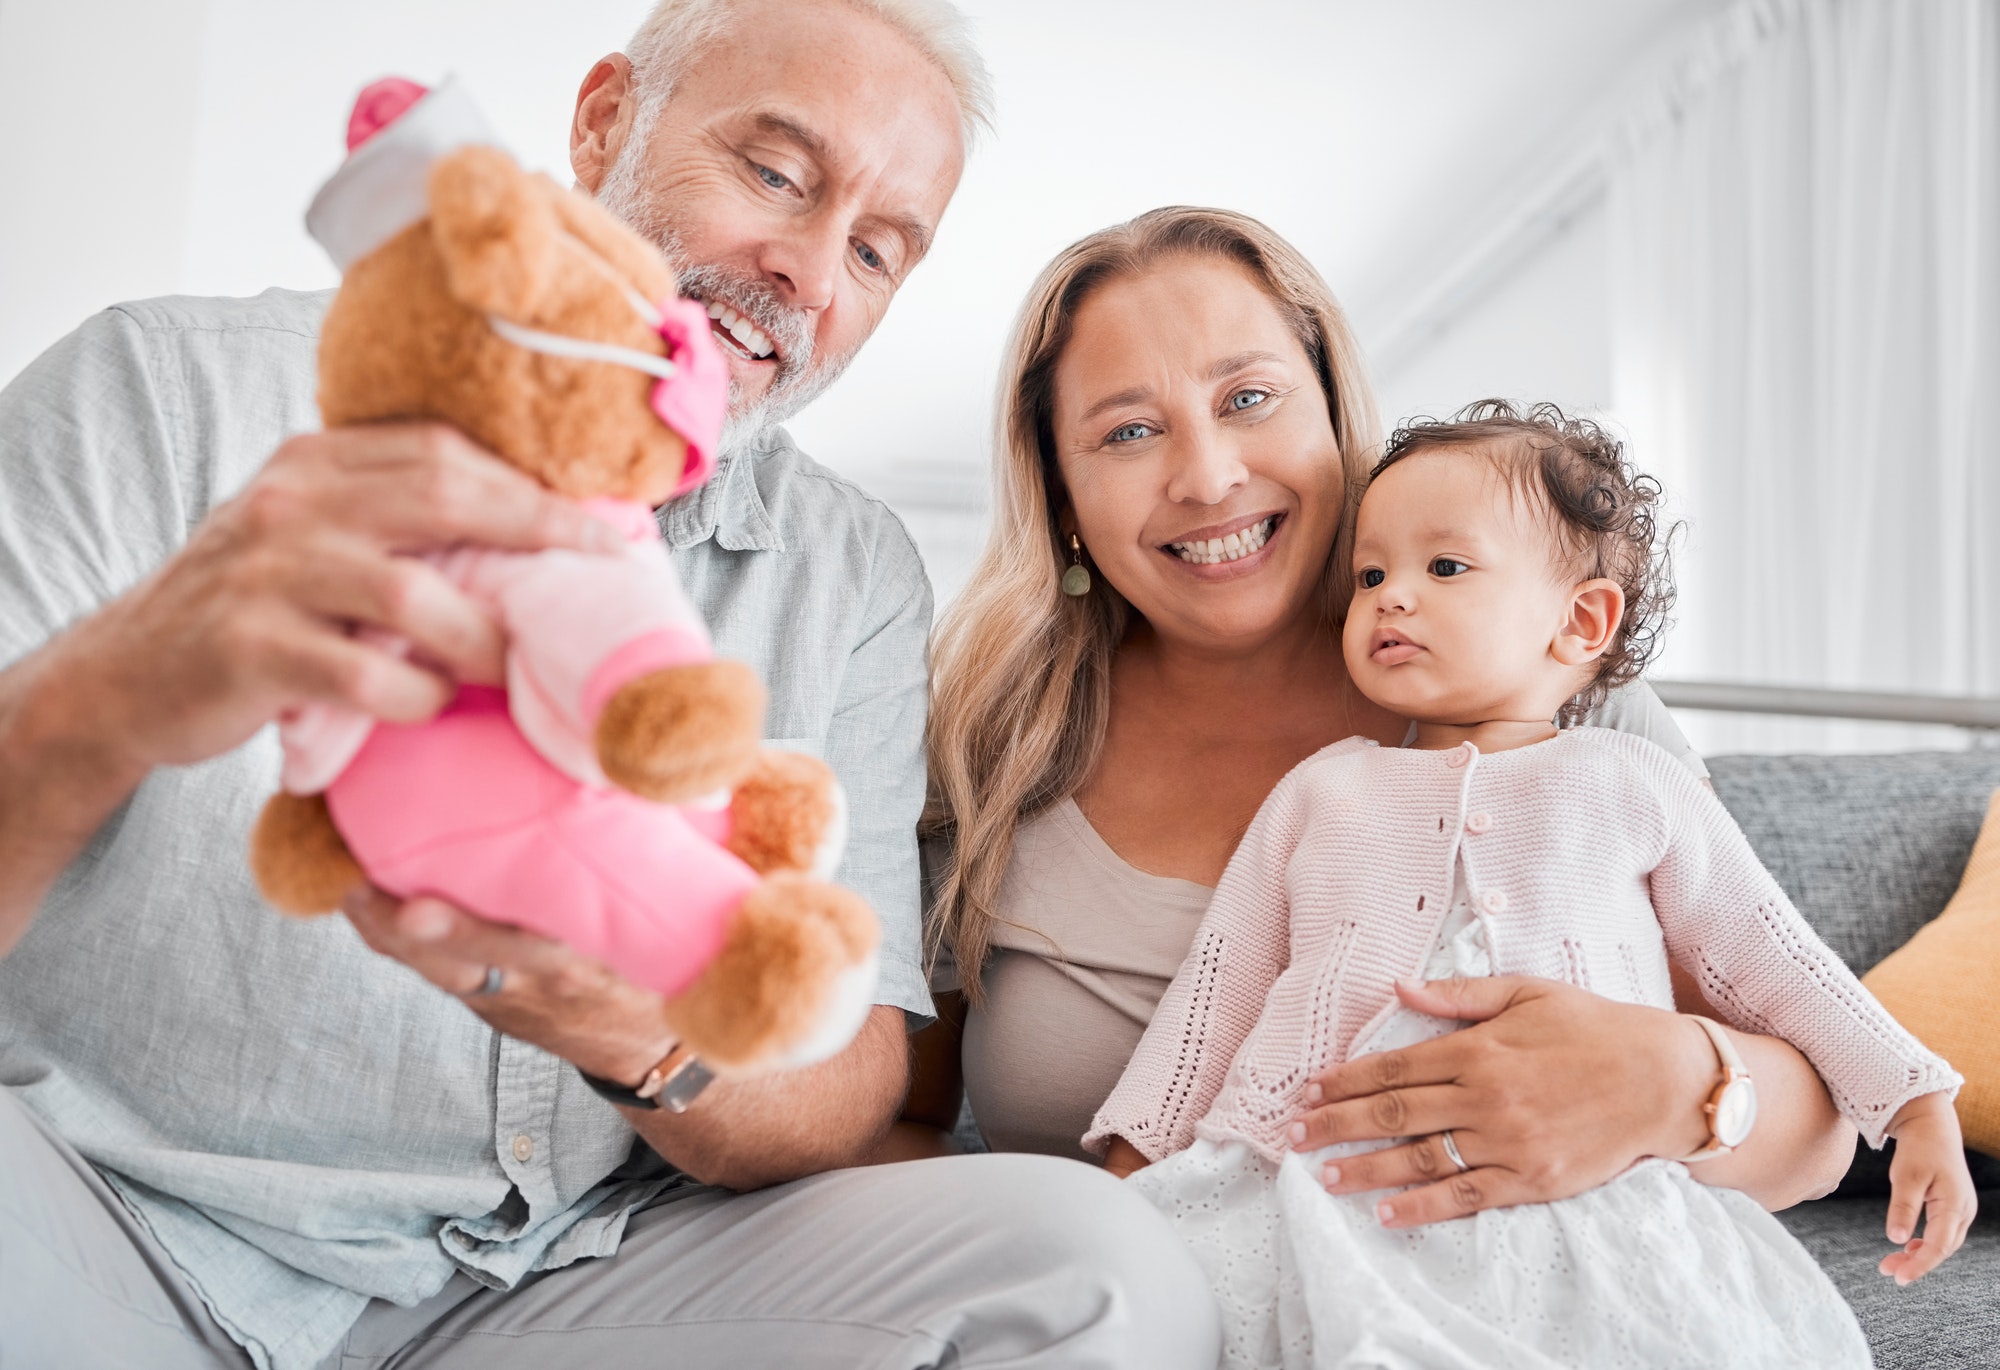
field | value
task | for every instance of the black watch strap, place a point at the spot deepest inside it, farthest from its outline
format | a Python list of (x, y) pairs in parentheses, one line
[(672, 1087), (615, 1092)]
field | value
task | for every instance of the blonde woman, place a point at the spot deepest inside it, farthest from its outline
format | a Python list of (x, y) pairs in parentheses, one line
[(1148, 645)]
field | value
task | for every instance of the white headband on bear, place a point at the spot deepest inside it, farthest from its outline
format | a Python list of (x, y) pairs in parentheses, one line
[(384, 185)]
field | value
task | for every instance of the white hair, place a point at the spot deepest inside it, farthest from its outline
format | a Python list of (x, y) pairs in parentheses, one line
[(677, 31)]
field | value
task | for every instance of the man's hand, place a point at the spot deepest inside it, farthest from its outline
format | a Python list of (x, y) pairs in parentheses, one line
[(566, 1004), (254, 616), (740, 1133), (1927, 1177)]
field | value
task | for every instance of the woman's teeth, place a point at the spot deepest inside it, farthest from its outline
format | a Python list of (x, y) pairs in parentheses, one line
[(1216, 551), (747, 335)]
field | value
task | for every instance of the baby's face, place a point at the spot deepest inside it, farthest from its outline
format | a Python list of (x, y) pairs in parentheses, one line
[(1459, 597)]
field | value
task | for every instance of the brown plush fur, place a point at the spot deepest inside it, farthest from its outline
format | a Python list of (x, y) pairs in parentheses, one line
[(298, 858), (782, 811), (678, 734), (768, 987)]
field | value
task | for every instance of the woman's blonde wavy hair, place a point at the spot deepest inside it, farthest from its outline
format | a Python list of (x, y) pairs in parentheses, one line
[(1020, 672)]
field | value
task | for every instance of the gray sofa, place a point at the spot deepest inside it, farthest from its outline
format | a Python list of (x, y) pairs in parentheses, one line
[(1871, 848)]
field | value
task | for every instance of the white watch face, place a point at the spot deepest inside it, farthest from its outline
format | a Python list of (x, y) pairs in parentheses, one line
[(1735, 1112)]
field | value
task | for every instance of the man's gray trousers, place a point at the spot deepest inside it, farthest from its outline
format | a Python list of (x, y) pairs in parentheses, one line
[(975, 1261)]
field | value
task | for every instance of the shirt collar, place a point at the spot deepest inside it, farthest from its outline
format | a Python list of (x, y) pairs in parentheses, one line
[(729, 507)]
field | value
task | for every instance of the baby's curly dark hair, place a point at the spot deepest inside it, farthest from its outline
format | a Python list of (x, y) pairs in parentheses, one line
[(1605, 513)]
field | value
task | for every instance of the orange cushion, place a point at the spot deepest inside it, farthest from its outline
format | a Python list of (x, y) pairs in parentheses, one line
[(1944, 986)]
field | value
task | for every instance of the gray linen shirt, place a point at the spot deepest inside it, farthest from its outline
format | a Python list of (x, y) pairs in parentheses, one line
[(302, 1124)]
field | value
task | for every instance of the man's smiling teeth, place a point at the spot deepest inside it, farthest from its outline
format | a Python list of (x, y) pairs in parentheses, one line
[(1235, 547), (748, 336)]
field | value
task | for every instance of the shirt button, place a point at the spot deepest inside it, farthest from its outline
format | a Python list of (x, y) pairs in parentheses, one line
[(1493, 901), (1479, 822), (524, 1148)]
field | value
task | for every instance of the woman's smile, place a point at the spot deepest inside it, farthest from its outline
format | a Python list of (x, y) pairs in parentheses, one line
[(1226, 550)]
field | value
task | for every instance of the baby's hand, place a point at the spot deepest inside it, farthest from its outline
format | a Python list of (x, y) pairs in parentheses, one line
[(1122, 1159), (1928, 1177)]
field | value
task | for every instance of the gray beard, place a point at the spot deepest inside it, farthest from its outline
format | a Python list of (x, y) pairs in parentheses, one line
[(801, 376)]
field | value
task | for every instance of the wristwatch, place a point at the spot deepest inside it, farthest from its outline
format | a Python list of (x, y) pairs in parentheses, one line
[(1732, 1104), (673, 1084)]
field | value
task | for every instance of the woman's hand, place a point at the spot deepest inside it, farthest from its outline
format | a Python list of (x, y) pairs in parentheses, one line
[(1552, 1091)]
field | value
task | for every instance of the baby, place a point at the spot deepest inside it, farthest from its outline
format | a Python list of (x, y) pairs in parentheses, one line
[(1506, 576)]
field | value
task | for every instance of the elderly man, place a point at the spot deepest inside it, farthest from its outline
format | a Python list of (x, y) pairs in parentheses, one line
[(407, 1137)]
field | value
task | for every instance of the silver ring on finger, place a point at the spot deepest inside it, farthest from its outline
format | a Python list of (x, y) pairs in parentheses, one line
[(495, 977), (1451, 1151)]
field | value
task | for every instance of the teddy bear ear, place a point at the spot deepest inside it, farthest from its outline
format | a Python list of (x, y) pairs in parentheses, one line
[(497, 235)]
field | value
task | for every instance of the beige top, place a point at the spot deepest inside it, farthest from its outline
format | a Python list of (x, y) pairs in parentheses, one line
[(1086, 945)]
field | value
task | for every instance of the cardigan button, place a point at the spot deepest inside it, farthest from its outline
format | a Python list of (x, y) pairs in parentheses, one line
[(1458, 755), (1479, 822), (1494, 901)]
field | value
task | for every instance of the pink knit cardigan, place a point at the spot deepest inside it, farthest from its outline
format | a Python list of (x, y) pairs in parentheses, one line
[(1591, 858)]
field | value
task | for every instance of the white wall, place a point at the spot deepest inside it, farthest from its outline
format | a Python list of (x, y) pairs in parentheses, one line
[(1541, 333)]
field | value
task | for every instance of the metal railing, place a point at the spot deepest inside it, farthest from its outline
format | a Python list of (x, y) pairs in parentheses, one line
[(1957, 711)]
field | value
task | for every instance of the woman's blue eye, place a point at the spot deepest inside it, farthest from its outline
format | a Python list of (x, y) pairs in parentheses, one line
[(1372, 577), (1130, 432), (1448, 566), (870, 258), (1247, 399), (772, 178)]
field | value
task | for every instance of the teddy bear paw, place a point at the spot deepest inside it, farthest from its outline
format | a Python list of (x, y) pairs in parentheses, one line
[(300, 861), (789, 814), (684, 732), (792, 984)]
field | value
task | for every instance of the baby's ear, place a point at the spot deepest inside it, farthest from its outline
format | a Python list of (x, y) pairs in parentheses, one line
[(495, 231), (1596, 607)]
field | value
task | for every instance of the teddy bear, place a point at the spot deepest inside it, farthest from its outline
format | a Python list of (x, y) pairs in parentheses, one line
[(612, 793)]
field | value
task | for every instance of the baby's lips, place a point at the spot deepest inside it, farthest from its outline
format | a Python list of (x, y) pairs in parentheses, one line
[(1394, 653)]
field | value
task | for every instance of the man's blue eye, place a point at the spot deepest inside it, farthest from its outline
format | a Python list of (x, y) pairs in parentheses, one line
[(1130, 432), (1247, 399), (1372, 577), (1447, 566), (773, 179), (870, 258)]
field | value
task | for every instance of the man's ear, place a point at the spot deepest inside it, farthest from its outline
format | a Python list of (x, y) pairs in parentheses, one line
[(605, 106), (495, 230), (1595, 610)]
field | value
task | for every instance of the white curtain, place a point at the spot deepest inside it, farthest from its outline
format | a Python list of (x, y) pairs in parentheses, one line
[(1805, 263)]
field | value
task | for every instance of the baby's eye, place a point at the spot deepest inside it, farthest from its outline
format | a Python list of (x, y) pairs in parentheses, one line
[(1372, 577), (1248, 399), (1130, 432), (1448, 566)]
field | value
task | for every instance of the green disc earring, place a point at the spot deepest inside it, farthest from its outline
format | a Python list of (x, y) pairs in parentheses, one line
[(1076, 580)]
